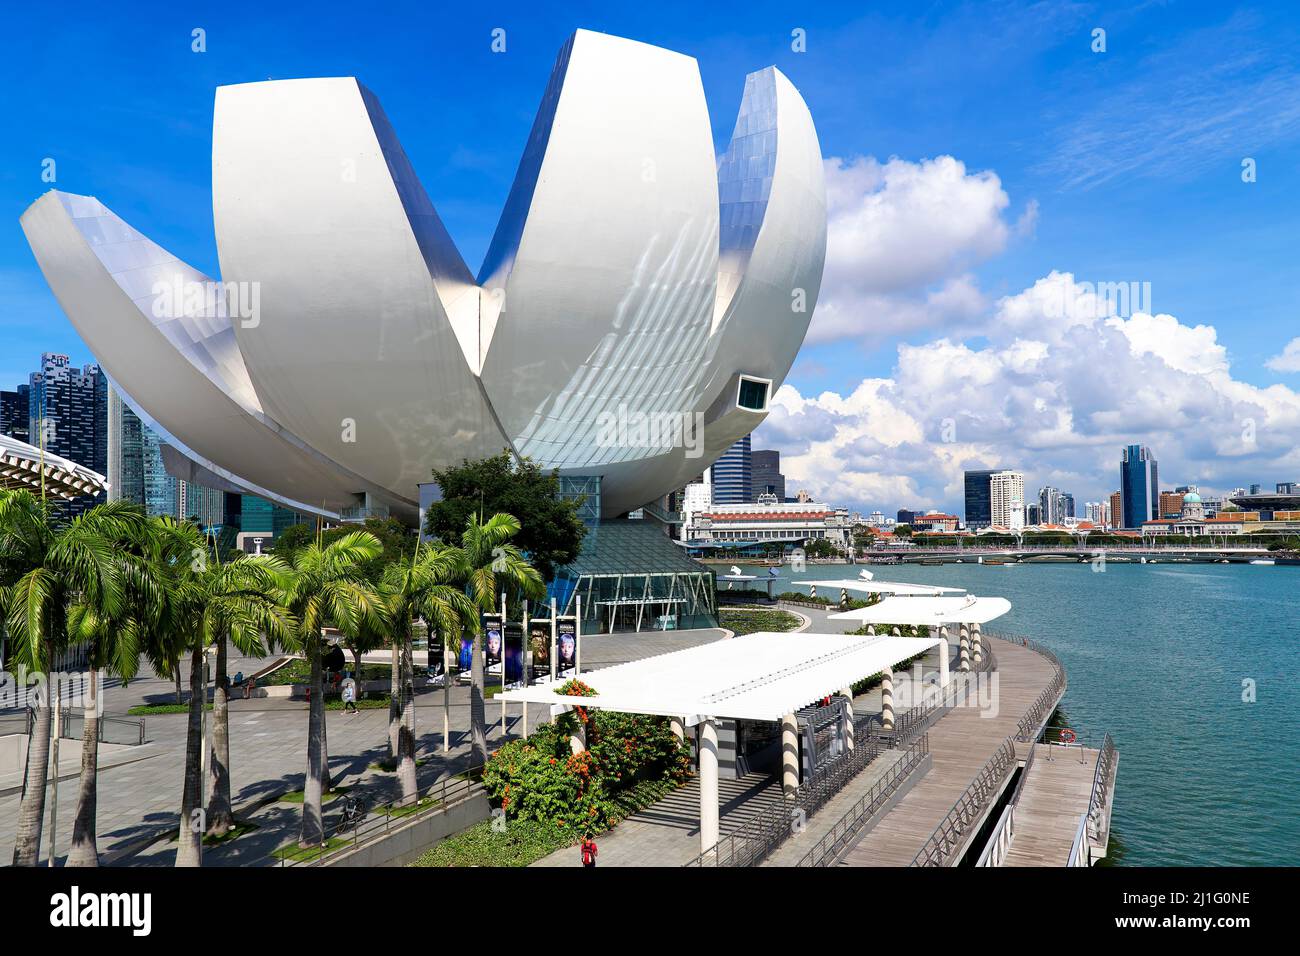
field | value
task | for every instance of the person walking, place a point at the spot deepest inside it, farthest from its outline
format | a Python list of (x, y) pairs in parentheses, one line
[(349, 690), (588, 851)]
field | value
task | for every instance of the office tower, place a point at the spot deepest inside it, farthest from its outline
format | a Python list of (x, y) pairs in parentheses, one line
[(1007, 499), (68, 415), (14, 413), (765, 474), (732, 477), (1033, 514), (1116, 503), (979, 512), (1139, 486), (125, 451), (1067, 505), (905, 516), (1171, 504), (162, 492), (1049, 505)]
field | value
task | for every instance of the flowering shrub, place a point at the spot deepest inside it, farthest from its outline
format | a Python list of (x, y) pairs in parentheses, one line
[(540, 779)]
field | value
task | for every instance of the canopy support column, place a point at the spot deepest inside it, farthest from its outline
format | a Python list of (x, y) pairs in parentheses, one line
[(707, 735), (964, 660), (944, 677), (977, 642), (847, 694), (887, 699), (678, 729), (789, 754)]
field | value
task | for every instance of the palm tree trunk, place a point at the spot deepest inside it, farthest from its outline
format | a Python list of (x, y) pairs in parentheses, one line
[(406, 726), (313, 824), (477, 711), (326, 779), (394, 702), (220, 816), (31, 812), (176, 675), (189, 845), (84, 851)]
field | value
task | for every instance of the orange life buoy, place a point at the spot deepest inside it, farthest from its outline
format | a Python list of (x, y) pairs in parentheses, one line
[(1068, 736)]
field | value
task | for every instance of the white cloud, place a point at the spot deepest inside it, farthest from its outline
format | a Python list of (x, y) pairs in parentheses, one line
[(1060, 385), (901, 239), (1288, 360)]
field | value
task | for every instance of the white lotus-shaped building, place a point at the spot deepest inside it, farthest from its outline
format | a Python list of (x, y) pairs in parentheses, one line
[(633, 273)]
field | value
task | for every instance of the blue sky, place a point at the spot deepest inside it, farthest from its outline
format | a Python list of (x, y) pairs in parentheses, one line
[(1115, 166)]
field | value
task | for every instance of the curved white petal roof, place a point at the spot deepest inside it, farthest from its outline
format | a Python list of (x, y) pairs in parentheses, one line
[(631, 274)]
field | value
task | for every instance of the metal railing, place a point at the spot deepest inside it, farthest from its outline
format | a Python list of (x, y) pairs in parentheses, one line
[(1080, 849), (19, 723), (112, 730), (948, 837), (999, 842), (754, 842), (920, 717), (380, 821), (1101, 783), (1032, 722), (827, 850)]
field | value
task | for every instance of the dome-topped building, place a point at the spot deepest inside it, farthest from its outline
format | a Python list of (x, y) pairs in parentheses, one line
[(1193, 507)]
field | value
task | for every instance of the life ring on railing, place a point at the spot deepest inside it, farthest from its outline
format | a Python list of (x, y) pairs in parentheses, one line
[(1068, 736)]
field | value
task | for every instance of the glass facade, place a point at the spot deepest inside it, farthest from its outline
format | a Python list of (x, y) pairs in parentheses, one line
[(630, 576), (733, 475), (585, 490), (1139, 487), (979, 498)]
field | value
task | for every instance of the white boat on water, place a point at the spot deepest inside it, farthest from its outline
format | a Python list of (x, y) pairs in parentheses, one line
[(1263, 561)]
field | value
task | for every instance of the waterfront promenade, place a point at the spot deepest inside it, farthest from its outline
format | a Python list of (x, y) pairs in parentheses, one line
[(961, 742)]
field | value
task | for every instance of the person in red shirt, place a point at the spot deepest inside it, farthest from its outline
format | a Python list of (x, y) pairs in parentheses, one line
[(588, 851)]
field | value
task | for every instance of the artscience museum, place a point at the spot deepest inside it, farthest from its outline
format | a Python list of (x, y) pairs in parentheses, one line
[(348, 349)]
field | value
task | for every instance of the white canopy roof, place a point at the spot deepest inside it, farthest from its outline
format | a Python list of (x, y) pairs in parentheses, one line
[(967, 609), (22, 465), (882, 587), (761, 676)]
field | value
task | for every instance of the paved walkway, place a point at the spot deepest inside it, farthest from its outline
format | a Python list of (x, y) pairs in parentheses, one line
[(138, 802)]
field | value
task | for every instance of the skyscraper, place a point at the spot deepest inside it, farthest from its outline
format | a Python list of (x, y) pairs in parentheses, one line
[(15, 412), (1049, 505), (1139, 487), (733, 475), (766, 477), (68, 414), (125, 451), (1067, 505), (1007, 499), (1116, 510), (979, 500)]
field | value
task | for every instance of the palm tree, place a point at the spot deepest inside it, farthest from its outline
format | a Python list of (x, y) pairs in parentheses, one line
[(430, 586), (208, 600), (44, 565), (326, 588), (113, 646), (491, 565)]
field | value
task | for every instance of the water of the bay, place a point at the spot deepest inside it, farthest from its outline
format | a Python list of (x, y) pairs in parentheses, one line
[(1166, 657)]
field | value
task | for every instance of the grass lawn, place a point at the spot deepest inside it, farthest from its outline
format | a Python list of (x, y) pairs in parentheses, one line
[(148, 710), (365, 703), (293, 853), (748, 620), (295, 796), (298, 671), (523, 842), (239, 829)]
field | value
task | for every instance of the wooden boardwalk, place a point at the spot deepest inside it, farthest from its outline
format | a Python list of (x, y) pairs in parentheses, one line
[(961, 742), (1054, 797)]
